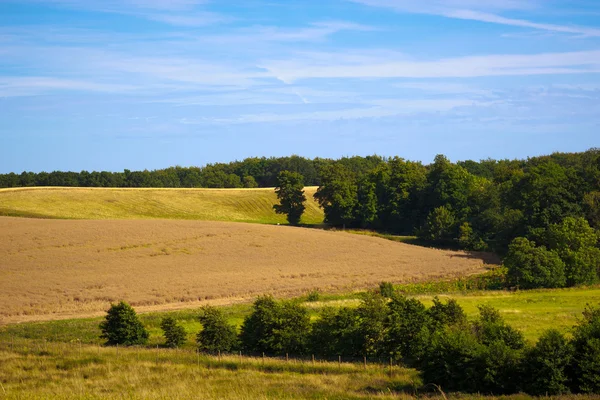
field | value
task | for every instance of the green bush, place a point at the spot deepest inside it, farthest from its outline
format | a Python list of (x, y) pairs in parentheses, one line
[(276, 327), (336, 333), (386, 289), (452, 360), (545, 366), (532, 267), (408, 326), (313, 295), (216, 334), (490, 328), (575, 243), (450, 313), (174, 334), (585, 366), (122, 326)]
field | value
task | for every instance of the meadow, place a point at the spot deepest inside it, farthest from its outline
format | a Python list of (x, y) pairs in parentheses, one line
[(65, 359), (239, 205), (67, 268)]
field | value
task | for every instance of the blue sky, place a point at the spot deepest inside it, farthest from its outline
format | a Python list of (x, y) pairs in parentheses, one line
[(114, 84)]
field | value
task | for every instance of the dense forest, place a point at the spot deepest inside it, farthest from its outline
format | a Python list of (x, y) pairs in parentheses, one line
[(542, 213)]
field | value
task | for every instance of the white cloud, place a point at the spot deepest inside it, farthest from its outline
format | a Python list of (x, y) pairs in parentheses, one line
[(35, 85), (462, 67), (477, 10)]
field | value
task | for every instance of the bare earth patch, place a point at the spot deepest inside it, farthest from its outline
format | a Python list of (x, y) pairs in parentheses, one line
[(55, 268)]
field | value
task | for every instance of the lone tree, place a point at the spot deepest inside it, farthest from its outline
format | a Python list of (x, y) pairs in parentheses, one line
[(174, 333), (122, 326), (290, 192)]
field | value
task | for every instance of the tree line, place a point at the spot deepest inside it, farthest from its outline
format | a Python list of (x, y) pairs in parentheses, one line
[(248, 173), (481, 356)]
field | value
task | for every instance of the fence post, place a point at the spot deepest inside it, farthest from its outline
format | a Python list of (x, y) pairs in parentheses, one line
[(390, 367), (263, 358), (339, 362), (287, 359), (365, 361), (219, 355), (240, 357), (313, 359)]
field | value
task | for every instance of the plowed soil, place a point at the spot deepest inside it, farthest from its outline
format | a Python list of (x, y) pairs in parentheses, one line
[(55, 268)]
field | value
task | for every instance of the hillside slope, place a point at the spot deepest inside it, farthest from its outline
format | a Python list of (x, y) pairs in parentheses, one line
[(77, 267), (239, 205)]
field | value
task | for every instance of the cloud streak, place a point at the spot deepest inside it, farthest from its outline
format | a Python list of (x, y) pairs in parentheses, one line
[(583, 62), (476, 11)]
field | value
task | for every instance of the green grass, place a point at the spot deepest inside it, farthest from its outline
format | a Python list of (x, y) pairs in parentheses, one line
[(64, 359), (532, 312), (239, 205), (34, 369)]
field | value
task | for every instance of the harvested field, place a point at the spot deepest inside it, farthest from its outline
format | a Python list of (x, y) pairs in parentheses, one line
[(55, 268), (240, 205)]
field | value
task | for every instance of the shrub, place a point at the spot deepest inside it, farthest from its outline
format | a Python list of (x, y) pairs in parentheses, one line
[(498, 368), (276, 328), (545, 366), (452, 360), (532, 267), (386, 289), (586, 356), (408, 329), (336, 332), (216, 334), (122, 326), (313, 295), (490, 328), (450, 313), (174, 334)]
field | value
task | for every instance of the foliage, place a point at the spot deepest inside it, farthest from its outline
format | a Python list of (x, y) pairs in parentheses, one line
[(440, 225), (386, 289), (336, 332), (408, 326), (276, 327), (586, 357), (575, 242), (491, 328), (533, 267), (174, 334), (337, 194), (290, 193), (122, 326), (545, 366), (216, 334)]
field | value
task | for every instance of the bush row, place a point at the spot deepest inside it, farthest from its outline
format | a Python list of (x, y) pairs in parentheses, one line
[(481, 356)]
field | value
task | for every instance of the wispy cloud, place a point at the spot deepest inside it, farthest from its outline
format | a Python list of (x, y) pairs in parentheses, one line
[(184, 13), (481, 11), (461, 67)]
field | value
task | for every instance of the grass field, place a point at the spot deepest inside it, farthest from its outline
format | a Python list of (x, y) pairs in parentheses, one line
[(53, 268), (63, 359), (239, 205)]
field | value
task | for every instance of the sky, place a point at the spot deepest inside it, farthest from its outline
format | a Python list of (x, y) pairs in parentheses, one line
[(148, 84)]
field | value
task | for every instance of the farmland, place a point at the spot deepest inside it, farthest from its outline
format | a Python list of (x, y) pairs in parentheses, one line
[(239, 205), (57, 268)]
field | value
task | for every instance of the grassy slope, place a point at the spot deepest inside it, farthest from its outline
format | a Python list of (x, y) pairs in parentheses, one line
[(45, 360), (240, 205)]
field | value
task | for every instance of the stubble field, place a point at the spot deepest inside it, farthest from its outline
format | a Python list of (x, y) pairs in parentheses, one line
[(53, 269)]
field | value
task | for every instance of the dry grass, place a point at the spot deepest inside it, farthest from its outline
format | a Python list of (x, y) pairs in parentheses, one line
[(49, 370), (241, 205), (56, 268)]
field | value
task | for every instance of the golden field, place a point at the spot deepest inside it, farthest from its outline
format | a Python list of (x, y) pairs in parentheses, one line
[(66, 268), (240, 205)]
